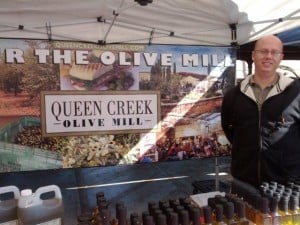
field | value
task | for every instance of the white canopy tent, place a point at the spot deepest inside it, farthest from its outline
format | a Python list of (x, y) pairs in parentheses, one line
[(188, 22)]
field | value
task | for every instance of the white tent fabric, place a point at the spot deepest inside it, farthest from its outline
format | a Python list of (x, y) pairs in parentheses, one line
[(192, 22)]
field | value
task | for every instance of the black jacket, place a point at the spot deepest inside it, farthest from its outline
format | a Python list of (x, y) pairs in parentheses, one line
[(265, 144)]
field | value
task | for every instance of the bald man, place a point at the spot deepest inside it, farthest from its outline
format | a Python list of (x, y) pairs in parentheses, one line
[(261, 119)]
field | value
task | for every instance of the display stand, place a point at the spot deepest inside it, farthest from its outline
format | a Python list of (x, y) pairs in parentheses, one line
[(216, 184)]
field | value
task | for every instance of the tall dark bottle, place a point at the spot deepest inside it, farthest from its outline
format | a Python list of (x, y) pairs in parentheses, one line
[(207, 213), (135, 219), (121, 213), (219, 215), (101, 214), (172, 218), (195, 215), (184, 218), (229, 214), (148, 220), (105, 216), (161, 219)]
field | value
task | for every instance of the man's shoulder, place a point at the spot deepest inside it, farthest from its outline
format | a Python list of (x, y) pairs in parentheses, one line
[(232, 90), (286, 81)]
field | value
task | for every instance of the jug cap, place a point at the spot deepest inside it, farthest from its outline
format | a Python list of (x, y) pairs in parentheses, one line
[(26, 192)]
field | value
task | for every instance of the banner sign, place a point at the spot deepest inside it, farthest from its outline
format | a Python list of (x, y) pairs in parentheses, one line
[(66, 104), (92, 112)]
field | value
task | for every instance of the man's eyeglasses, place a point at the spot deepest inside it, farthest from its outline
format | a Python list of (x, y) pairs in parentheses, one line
[(265, 52)]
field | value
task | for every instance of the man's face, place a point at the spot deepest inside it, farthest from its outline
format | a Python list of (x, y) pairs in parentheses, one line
[(267, 55)]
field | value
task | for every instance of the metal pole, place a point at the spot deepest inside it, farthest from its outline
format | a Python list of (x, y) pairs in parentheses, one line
[(217, 184)]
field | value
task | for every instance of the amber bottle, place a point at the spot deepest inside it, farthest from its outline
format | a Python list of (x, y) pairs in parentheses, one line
[(262, 216)]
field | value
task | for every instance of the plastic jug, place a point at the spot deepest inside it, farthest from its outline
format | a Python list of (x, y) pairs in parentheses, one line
[(8, 208), (33, 210)]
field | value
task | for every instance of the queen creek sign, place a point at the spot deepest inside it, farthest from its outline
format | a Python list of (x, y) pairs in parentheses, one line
[(74, 112)]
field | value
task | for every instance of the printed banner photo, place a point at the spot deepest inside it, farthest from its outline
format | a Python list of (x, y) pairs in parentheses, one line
[(73, 104)]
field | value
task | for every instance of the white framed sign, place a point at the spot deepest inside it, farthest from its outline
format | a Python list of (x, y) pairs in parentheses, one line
[(66, 113)]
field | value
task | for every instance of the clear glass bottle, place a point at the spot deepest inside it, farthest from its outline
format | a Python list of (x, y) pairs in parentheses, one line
[(286, 217), (294, 209), (276, 217)]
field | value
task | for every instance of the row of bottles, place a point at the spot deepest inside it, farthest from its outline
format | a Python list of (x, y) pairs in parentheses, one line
[(228, 210), (170, 212), (284, 201), (257, 206), (26, 208), (272, 204)]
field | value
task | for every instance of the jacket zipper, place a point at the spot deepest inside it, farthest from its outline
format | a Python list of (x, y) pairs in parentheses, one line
[(259, 143)]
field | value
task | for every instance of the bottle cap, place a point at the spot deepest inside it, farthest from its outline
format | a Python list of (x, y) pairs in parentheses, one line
[(211, 202), (100, 194), (273, 183), (26, 192), (265, 184), (296, 187)]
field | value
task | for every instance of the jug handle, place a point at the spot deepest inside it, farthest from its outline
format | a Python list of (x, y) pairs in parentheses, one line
[(11, 188), (49, 188)]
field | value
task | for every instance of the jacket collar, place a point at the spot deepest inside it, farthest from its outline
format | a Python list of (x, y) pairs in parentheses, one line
[(282, 83)]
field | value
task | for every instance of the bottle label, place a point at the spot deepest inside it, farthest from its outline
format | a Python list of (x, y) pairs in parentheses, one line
[(12, 222), (276, 220), (245, 222), (52, 222), (28, 203)]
